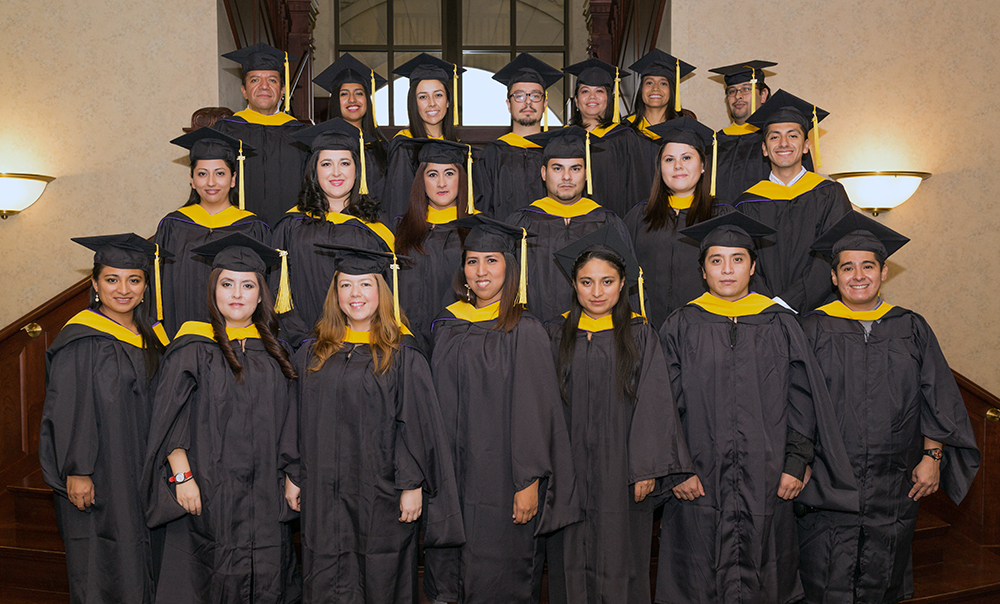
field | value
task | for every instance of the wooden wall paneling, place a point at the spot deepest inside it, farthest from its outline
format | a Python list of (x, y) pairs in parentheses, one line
[(11, 429)]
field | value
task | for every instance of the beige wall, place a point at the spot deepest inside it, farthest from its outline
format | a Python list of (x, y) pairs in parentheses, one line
[(94, 92), (910, 86)]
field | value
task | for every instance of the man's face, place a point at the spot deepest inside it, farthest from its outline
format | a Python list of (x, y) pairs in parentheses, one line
[(727, 271), (785, 144), (529, 111), (858, 277), (262, 90), (738, 100), (564, 178)]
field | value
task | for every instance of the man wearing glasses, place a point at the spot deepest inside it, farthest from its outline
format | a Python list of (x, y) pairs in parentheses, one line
[(508, 175)]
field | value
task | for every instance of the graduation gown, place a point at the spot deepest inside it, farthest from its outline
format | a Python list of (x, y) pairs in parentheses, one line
[(669, 261), (508, 176), (741, 162), (620, 175), (890, 389), (426, 288), (501, 407), (556, 226), (800, 213), (311, 269), (651, 142), (238, 549), (353, 442), (185, 276), (94, 423), (273, 172), (616, 442), (741, 387)]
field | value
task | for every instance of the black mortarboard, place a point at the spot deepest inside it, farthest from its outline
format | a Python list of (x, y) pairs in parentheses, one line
[(857, 232), (346, 70), (606, 239), (208, 143), (782, 107), (128, 251), (744, 72), (527, 68), (427, 67), (337, 134), (734, 229), (659, 63), (239, 252), (595, 72), (259, 57)]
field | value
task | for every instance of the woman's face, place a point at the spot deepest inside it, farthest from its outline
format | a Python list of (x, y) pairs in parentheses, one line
[(598, 287), (484, 274), (432, 101), (681, 168), (212, 179), (237, 295), (592, 102), (353, 103), (655, 91), (120, 291), (441, 185), (335, 171), (358, 298)]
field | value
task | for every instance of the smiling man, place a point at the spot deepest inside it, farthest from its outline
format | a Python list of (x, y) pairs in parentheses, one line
[(906, 428)]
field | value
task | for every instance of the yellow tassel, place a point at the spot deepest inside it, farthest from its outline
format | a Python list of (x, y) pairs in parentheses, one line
[(522, 286), (753, 90), (545, 113), (715, 162), (371, 99), (454, 96), (395, 289), (677, 89), (284, 302), (288, 93), (815, 133), (642, 296), (468, 177), (159, 292), (616, 119), (364, 172), (239, 161), (590, 181)]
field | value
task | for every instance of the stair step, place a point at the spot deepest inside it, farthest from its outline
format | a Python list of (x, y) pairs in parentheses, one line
[(31, 537), (9, 595), (928, 539), (30, 568), (33, 505), (968, 573)]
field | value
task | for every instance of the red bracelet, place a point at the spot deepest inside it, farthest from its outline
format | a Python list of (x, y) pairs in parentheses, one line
[(181, 477)]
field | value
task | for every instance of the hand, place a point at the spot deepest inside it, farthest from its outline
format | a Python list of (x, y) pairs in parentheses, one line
[(926, 478), (293, 494), (411, 505), (644, 488), (809, 473), (526, 503), (189, 496), (80, 490), (789, 487), (689, 490)]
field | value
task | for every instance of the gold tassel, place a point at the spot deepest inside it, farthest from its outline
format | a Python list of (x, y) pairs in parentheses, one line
[(642, 296), (159, 292), (753, 90), (677, 89), (815, 130), (239, 160), (371, 99), (395, 289), (522, 286), (715, 162), (288, 93), (468, 177), (364, 172), (616, 119), (454, 96), (545, 113), (590, 181), (284, 302)]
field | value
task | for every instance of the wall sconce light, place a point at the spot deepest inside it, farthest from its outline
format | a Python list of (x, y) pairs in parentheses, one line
[(880, 191), (18, 191)]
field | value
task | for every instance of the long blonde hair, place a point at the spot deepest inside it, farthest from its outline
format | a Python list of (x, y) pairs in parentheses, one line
[(331, 329)]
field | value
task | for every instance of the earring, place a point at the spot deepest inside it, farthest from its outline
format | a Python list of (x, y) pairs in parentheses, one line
[(97, 297), (468, 293)]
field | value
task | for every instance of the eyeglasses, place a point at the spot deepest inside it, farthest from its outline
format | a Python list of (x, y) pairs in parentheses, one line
[(520, 97), (735, 92)]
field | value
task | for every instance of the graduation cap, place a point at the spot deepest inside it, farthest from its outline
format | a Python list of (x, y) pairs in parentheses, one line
[(241, 253), (595, 72), (527, 68), (659, 63), (489, 235), (750, 71), (337, 134), (427, 67), (264, 57), (783, 107), (734, 229), (435, 151), (348, 70), (857, 232), (128, 251), (566, 143), (360, 261), (689, 131), (208, 143)]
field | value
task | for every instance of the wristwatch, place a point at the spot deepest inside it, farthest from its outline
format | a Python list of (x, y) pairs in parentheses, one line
[(186, 476), (935, 454)]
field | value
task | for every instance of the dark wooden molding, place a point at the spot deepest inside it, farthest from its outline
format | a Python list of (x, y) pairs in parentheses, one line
[(207, 116)]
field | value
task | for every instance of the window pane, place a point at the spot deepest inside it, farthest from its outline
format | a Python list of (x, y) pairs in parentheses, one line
[(485, 99), (400, 86), (416, 22), (557, 98), (486, 22), (363, 22), (540, 22)]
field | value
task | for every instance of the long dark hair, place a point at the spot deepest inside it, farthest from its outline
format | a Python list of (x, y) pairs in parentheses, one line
[(264, 318), (234, 195), (313, 202), (658, 211), (626, 351), (416, 125), (413, 229), (576, 119), (152, 348), (375, 143), (510, 310), (639, 106)]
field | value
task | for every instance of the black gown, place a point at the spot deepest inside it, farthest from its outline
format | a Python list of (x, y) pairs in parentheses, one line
[(273, 172), (238, 549), (311, 269), (890, 389), (353, 441), (185, 276), (508, 176), (501, 407), (741, 163), (616, 443), (98, 402), (651, 143), (740, 388), (669, 261), (787, 268), (556, 226), (619, 172)]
